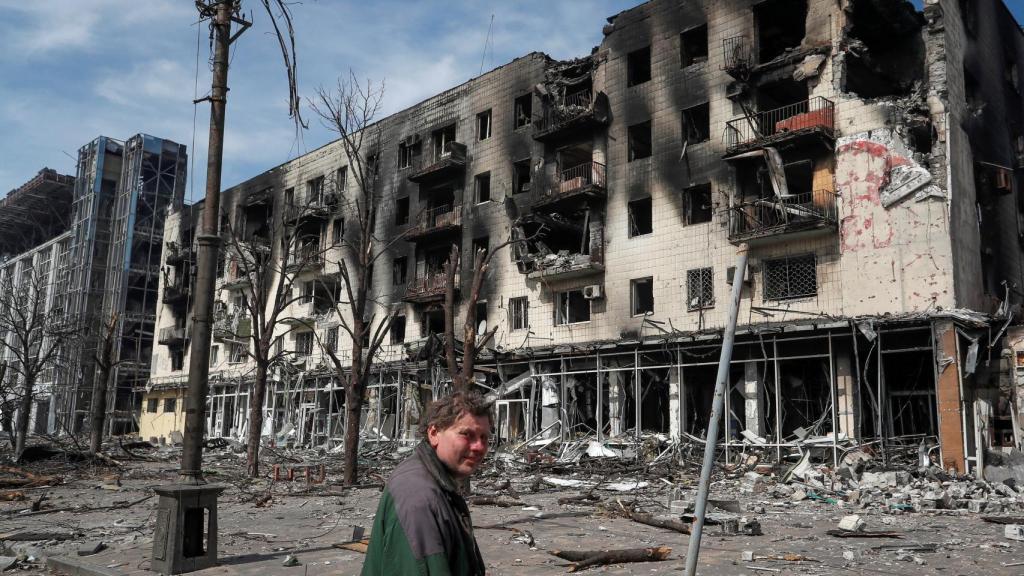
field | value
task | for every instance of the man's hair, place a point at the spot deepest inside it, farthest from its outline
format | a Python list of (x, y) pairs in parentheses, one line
[(444, 412)]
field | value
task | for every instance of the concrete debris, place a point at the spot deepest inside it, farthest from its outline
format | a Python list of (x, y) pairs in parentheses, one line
[(1014, 532), (290, 560), (91, 548), (852, 523)]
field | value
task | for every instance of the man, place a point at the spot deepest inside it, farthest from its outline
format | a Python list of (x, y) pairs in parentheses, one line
[(422, 524)]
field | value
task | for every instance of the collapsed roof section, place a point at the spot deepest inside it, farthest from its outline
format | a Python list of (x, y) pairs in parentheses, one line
[(35, 212)]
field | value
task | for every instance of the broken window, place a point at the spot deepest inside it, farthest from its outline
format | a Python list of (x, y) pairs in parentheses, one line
[(214, 351), (696, 124), (398, 330), (521, 176), (303, 343), (341, 179), (697, 204), (221, 263), (337, 230), (398, 270), (571, 307), (693, 46), (638, 66), (402, 211), (483, 125), (433, 323), (289, 197), (641, 293), (177, 359), (522, 110), (519, 313), (639, 141), (331, 339), (482, 187), (481, 317), (700, 288), (405, 152), (889, 58), (152, 404), (640, 217), (170, 405), (236, 353), (781, 24), (442, 140), (481, 243), (790, 277), (315, 190)]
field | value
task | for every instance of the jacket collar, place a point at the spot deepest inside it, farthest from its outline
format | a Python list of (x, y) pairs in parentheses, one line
[(435, 467)]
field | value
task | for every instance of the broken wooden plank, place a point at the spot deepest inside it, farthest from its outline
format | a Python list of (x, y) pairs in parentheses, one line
[(495, 501), (585, 559), (650, 520), (863, 534), (357, 546)]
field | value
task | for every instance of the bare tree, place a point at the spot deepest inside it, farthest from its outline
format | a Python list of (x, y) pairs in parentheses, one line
[(34, 341), (265, 263), (349, 112), (106, 363)]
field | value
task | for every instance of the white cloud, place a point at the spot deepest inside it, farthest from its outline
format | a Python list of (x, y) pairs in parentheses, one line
[(148, 84)]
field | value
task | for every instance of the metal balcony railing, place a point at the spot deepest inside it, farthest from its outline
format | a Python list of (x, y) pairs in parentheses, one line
[(774, 216), (436, 161), (429, 287), (588, 175), (308, 255), (436, 219), (815, 114), (321, 205), (736, 54), (565, 110)]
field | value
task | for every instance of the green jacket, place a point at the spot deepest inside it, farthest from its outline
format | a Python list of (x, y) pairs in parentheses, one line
[(422, 525)]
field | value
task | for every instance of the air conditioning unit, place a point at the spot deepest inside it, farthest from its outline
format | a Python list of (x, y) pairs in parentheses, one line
[(592, 291)]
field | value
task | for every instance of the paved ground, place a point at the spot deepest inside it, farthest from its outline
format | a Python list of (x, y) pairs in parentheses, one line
[(256, 540)]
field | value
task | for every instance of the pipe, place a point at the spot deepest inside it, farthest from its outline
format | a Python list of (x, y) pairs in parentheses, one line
[(704, 486)]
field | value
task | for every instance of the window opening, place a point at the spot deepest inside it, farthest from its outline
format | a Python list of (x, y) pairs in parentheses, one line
[(483, 125), (639, 136), (640, 217), (638, 66), (483, 187), (697, 204), (522, 110), (700, 288), (697, 123), (693, 46), (641, 296), (571, 307), (519, 313), (790, 277)]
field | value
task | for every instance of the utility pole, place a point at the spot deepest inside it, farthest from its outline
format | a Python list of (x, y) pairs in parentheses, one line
[(223, 13)]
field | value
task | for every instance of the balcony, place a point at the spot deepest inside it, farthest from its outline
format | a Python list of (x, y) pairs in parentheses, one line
[(175, 294), (321, 207), (814, 117), (308, 257), (232, 327), (450, 159), (305, 314), (586, 181), (173, 336), (563, 267), (737, 57), (429, 288), (177, 254), (763, 221), (434, 222), (574, 112)]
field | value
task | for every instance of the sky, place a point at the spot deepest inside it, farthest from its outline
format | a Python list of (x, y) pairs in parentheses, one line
[(71, 70)]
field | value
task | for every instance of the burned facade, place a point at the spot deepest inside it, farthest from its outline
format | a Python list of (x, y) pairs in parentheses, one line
[(865, 151)]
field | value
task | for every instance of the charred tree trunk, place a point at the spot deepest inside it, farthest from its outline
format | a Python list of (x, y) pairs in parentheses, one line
[(256, 400), (24, 412), (354, 407)]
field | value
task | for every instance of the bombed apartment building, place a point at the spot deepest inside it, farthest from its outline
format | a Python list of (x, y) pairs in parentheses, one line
[(90, 246), (866, 152)]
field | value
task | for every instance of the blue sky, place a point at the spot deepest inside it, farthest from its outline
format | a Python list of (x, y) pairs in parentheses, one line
[(73, 69)]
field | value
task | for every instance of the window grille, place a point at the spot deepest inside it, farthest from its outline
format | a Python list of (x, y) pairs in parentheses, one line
[(518, 313), (700, 288), (791, 277)]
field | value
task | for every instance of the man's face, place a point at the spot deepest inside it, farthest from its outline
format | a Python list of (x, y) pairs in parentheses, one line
[(463, 445)]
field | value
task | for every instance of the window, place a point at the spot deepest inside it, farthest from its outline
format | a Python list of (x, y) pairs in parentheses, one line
[(697, 124), (404, 155), (170, 405), (697, 204), (152, 405), (521, 176), (221, 263), (308, 292), (482, 187), (337, 230), (571, 307), (483, 125), (289, 197), (402, 211), (481, 243), (177, 359), (638, 66), (398, 270), (214, 350), (640, 218), (700, 288), (304, 343), (693, 46), (398, 330), (481, 316), (341, 178), (331, 339), (791, 277), (236, 353), (641, 296), (522, 110), (519, 313), (441, 140), (315, 190), (639, 141)]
